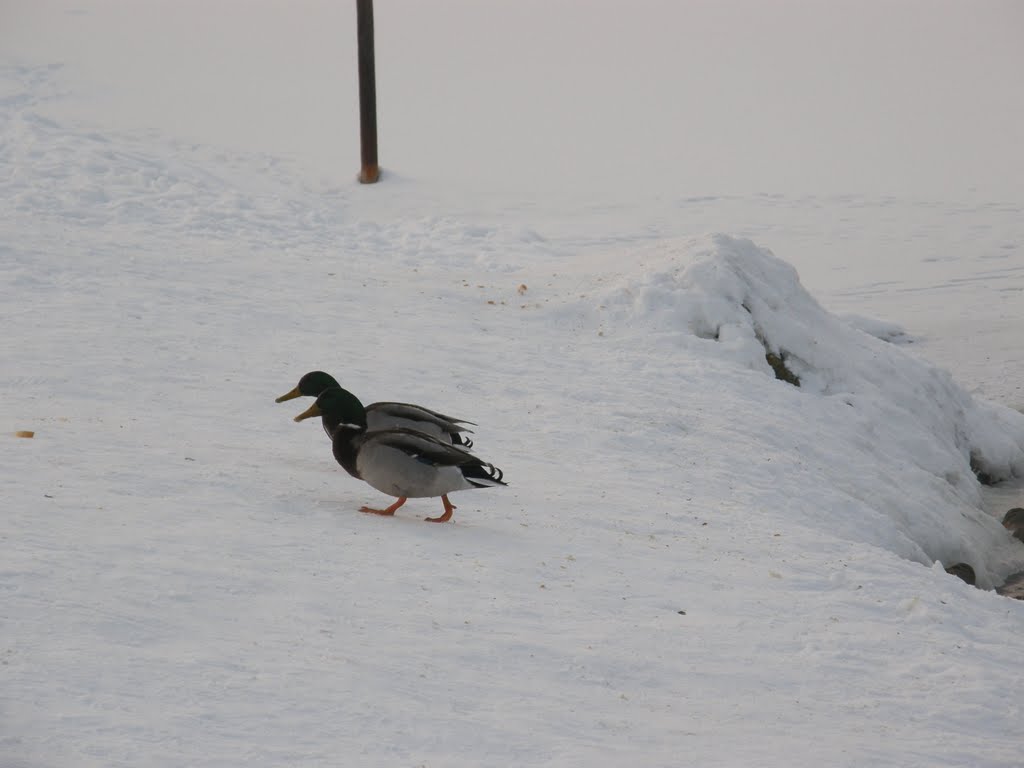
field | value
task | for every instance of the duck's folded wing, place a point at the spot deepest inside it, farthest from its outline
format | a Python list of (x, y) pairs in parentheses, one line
[(419, 413), (422, 447)]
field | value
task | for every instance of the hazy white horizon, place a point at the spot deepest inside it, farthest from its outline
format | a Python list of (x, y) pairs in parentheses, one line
[(908, 98)]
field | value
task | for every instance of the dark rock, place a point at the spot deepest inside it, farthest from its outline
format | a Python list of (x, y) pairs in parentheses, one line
[(782, 373), (984, 477), (1013, 521), (962, 571), (776, 361), (1014, 587)]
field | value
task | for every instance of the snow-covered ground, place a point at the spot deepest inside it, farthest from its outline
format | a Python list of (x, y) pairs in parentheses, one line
[(591, 229)]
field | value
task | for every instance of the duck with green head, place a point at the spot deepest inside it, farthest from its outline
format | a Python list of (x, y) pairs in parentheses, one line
[(388, 415), (400, 462)]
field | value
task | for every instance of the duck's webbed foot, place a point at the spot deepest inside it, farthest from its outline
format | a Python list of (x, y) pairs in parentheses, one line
[(389, 511), (448, 509)]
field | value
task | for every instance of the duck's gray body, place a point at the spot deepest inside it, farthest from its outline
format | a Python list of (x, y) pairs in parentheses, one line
[(408, 463)]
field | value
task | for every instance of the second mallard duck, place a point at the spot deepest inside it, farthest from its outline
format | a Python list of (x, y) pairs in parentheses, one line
[(399, 462), (388, 415)]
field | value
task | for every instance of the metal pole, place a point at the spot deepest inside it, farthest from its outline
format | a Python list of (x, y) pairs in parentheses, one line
[(367, 93)]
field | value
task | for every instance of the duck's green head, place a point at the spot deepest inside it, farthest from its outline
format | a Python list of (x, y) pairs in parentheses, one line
[(310, 385), (337, 406)]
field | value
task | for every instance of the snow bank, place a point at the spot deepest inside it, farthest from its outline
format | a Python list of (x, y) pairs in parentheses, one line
[(898, 436)]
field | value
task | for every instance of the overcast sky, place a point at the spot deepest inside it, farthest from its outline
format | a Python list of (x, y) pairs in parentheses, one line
[(872, 98)]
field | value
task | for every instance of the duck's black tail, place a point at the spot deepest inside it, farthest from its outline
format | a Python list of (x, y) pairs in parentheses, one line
[(483, 475)]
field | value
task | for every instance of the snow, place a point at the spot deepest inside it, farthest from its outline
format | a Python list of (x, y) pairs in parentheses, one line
[(695, 562)]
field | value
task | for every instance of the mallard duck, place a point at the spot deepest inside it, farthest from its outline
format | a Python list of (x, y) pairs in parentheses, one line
[(388, 415), (400, 462)]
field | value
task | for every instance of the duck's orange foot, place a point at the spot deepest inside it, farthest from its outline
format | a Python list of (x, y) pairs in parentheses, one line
[(389, 511), (448, 509)]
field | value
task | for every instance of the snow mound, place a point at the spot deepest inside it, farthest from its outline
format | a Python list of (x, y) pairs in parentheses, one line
[(726, 299), (880, 329)]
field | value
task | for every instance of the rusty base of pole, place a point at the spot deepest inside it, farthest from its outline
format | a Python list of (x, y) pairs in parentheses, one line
[(369, 174)]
